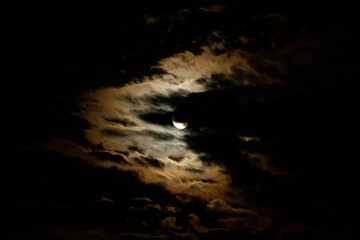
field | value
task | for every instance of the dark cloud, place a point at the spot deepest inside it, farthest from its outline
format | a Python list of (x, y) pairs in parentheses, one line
[(122, 133), (177, 98), (106, 156), (217, 81), (142, 199), (123, 122), (222, 206), (302, 135), (114, 132), (149, 161), (161, 118), (170, 222), (51, 181), (177, 158), (158, 135), (136, 149), (104, 199), (194, 170), (148, 207)]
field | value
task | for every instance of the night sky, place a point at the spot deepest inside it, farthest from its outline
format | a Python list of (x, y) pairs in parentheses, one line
[(268, 93)]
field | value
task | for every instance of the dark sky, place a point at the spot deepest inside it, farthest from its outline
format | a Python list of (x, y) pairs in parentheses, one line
[(268, 90)]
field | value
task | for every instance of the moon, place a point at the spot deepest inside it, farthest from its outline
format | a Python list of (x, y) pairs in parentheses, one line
[(179, 125)]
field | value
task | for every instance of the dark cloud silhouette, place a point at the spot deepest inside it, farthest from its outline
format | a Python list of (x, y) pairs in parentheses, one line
[(195, 170), (73, 183), (161, 118), (148, 161), (114, 132), (109, 156), (158, 135), (176, 158), (122, 133), (124, 122), (136, 149)]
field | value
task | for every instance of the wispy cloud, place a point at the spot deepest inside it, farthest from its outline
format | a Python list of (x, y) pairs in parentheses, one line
[(119, 119), (214, 8)]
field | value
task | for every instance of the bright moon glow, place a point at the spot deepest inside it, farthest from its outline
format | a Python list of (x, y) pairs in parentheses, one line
[(180, 125)]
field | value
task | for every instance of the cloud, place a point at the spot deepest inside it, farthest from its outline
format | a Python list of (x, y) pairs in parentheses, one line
[(101, 158), (136, 149), (253, 223), (269, 121), (181, 15), (104, 199), (150, 20), (123, 122), (141, 235), (170, 222), (266, 163), (149, 161), (139, 114), (272, 15), (187, 67), (215, 8), (248, 139), (174, 177), (113, 133), (158, 135), (172, 209), (177, 158), (228, 93), (144, 204), (243, 105), (142, 199), (239, 218), (194, 221), (222, 206), (107, 156)]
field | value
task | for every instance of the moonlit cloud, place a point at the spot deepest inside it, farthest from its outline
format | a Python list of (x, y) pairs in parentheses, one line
[(132, 144), (264, 95), (155, 150), (131, 127)]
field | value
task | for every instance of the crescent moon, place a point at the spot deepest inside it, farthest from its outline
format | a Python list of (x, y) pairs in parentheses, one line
[(179, 125)]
